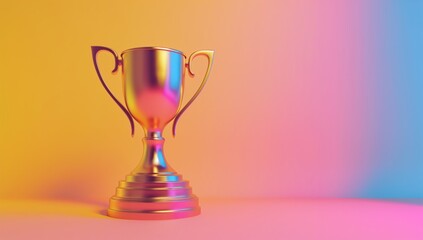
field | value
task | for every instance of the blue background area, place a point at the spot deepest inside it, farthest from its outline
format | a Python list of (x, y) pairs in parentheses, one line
[(397, 95)]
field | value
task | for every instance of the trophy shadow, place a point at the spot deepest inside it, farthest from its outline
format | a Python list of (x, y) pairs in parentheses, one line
[(54, 207), (102, 212), (72, 202)]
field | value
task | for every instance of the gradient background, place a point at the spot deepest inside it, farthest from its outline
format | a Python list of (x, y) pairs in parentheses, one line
[(305, 99)]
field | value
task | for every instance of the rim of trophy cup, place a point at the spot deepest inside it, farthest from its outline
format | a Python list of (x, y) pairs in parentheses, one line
[(153, 48)]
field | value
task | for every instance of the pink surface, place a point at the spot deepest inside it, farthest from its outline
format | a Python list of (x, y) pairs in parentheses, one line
[(230, 219)]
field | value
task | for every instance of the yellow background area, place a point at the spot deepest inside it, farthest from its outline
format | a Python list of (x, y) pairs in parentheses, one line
[(259, 128)]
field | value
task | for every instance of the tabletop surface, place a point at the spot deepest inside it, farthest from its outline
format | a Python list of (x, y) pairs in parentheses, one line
[(220, 219)]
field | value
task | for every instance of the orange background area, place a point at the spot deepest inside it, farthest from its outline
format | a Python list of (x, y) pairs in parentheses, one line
[(270, 121)]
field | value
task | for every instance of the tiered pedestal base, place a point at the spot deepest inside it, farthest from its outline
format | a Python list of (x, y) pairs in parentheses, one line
[(153, 196)]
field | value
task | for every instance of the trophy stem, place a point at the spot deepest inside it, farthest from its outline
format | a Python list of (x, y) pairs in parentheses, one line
[(153, 159)]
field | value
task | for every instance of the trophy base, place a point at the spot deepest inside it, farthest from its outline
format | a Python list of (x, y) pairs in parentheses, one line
[(153, 196)]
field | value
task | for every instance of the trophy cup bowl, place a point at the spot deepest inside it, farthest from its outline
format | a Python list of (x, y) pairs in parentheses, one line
[(153, 84)]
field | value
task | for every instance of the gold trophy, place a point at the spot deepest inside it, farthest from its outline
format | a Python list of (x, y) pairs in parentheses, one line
[(153, 84)]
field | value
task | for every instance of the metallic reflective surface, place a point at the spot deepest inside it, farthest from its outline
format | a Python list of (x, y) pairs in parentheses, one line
[(153, 80)]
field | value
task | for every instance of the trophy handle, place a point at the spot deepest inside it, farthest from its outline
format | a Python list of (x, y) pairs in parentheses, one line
[(95, 50), (209, 54)]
